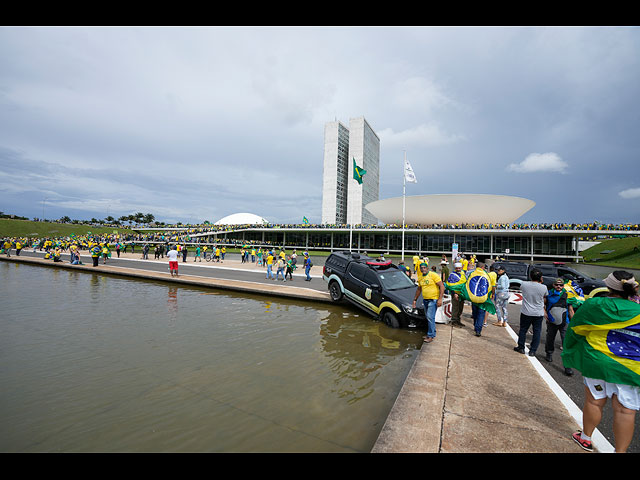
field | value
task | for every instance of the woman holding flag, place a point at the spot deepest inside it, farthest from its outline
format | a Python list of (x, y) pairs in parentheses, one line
[(603, 343)]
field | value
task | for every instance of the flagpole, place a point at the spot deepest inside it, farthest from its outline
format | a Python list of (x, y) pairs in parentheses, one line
[(404, 191)]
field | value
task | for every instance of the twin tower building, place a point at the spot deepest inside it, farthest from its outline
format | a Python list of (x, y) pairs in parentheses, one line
[(344, 198)]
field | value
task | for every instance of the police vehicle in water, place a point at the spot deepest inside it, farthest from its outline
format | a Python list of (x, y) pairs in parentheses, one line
[(378, 287)]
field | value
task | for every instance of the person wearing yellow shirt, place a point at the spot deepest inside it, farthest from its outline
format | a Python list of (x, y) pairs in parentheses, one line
[(465, 265), (270, 266), (416, 263), (431, 287)]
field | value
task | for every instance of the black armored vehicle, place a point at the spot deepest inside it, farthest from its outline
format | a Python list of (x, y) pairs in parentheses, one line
[(378, 287)]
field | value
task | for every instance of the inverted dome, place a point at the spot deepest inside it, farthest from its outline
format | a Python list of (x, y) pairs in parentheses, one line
[(241, 219), (448, 209)]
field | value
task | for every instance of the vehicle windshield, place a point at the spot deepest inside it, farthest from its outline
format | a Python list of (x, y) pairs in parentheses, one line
[(395, 280)]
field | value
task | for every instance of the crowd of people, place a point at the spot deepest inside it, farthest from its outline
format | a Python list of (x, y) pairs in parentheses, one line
[(600, 335)]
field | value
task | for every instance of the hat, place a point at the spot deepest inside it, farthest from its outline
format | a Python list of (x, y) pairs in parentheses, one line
[(458, 265), (500, 267), (558, 281)]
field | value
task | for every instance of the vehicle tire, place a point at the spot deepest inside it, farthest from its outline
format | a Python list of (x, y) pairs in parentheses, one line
[(335, 292), (390, 319)]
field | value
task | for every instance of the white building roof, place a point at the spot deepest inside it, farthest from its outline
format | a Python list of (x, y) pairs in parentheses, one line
[(448, 209), (241, 219)]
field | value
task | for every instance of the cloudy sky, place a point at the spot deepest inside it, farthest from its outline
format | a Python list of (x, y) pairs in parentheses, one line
[(194, 124)]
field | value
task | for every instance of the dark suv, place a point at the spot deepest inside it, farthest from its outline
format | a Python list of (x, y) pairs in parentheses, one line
[(518, 272), (380, 288)]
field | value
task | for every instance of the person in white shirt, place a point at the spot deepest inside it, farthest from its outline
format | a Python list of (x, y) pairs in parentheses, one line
[(173, 261)]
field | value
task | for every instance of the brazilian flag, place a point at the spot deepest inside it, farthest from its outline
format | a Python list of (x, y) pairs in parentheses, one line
[(358, 172), (476, 288), (305, 221), (575, 295), (603, 340)]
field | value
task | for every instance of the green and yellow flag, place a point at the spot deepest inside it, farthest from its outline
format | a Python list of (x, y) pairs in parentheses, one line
[(358, 172), (476, 288), (603, 340), (305, 221)]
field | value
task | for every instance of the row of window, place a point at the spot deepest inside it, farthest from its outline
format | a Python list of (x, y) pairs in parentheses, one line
[(515, 245)]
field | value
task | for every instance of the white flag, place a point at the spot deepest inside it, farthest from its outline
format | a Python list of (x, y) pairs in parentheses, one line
[(408, 173)]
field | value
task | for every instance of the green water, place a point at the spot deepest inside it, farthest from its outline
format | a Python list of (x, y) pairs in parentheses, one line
[(93, 363)]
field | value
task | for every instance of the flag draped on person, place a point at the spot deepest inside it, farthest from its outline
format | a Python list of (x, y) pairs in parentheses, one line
[(476, 288), (603, 340), (358, 172)]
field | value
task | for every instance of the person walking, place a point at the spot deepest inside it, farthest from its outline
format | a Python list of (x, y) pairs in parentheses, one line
[(280, 268), (501, 300), (270, 266), (557, 318), (431, 287), (602, 343), (290, 267), (197, 257), (532, 312)]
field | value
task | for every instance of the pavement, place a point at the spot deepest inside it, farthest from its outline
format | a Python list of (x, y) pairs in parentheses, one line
[(468, 394), (464, 394)]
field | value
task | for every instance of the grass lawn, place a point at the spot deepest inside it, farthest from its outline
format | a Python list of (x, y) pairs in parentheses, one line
[(27, 228), (615, 252)]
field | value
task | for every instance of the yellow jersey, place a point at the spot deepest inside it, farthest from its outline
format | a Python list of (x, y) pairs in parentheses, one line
[(429, 285)]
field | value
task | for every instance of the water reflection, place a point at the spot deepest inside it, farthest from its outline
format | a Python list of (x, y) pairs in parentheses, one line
[(134, 365)]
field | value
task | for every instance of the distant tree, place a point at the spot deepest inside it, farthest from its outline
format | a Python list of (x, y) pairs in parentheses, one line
[(149, 218), (109, 219), (65, 219)]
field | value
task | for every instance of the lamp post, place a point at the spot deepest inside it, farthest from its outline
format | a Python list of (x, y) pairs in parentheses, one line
[(43, 200)]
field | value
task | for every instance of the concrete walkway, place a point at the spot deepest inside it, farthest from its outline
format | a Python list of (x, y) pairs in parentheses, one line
[(468, 394)]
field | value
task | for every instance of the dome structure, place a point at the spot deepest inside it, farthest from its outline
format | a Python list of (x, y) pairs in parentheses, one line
[(451, 209), (241, 219)]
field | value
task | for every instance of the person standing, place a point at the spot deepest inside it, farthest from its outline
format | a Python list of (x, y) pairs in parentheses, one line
[(532, 312), (502, 297), (197, 257), (18, 247), (184, 253), (431, 287), (557, 312), (457, 302), (602, 343), (173, 261), (307, 266), (95, 254)]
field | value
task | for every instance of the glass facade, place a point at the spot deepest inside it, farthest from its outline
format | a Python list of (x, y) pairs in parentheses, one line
[(381, 241)]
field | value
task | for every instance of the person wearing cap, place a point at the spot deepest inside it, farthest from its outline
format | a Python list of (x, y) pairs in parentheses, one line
[(501, 300), (557, 318), (601, 382), (431, 287)]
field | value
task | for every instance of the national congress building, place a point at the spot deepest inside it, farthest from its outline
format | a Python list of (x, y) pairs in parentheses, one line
[(343, 198)]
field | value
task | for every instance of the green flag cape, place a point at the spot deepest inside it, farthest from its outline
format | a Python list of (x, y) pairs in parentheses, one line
[(358, 172), (476, 288), (603, 340)]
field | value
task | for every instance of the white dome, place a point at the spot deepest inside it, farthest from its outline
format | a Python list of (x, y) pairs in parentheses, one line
[(443, 209), (241, 219)]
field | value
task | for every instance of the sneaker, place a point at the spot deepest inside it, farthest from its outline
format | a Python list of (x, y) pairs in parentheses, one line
[(585, 444), (548, 357), (518, 349), (568, 372)]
